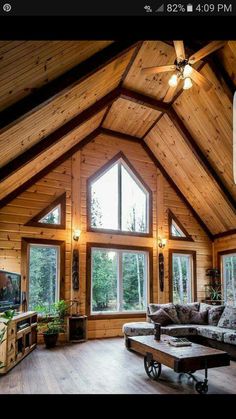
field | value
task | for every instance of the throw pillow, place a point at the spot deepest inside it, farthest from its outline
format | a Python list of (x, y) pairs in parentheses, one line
[(197, 317), (184, 311), (214, 314), (228, 318), (162, 317), (169, 308)]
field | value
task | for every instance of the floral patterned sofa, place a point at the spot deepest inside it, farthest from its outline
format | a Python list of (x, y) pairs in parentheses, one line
[(214, 326)]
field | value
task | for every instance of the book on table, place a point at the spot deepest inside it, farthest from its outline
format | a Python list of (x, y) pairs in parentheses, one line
[(179, 342)]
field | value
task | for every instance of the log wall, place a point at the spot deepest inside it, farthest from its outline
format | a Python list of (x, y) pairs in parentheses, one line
[(71, 177)]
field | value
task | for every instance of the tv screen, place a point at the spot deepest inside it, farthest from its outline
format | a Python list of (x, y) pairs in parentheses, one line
[(10, 290)]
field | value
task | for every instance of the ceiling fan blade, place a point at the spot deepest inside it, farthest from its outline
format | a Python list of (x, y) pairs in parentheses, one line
[(200, 80), (208, 49), (160, 69), (179, 50), (170, 93)]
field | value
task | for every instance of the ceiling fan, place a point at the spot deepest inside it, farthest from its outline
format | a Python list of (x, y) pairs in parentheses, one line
[(184, 70)]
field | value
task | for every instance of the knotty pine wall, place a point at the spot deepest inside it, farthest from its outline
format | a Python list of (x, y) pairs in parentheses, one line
[(222, 244), (71, 176)]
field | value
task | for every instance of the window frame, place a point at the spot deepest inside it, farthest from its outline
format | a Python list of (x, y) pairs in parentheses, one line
[(59, 201), (220, 267), (192, 253), (172, 217), (149, 268), (137, 178), (25, 248)]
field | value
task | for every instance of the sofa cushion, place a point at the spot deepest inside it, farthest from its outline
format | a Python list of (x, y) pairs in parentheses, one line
[(138, 329), (204, 306), (228, 318), (184, 311), (230, 337), (197, 317), (179, 330), (161, 316), (214, 315), (169, 308), (212, 332)]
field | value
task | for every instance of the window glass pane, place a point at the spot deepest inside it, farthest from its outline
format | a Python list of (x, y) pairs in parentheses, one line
[(229, 278), (53, 217), (176, 230), (104, 280), (134, 201), (134, 281), (104, 200), (182, 279), (43, 275)]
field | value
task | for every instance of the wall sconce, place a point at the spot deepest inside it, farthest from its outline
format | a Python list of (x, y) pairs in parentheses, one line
[(76, 235), (162, 243)]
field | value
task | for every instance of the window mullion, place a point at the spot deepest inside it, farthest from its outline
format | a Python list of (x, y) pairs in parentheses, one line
[(119, 197), (120, 284)]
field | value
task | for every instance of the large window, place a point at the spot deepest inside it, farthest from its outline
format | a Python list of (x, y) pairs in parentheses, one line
[(229, 277), (44, 262), (182, 272), (118, 280), (119, 200)]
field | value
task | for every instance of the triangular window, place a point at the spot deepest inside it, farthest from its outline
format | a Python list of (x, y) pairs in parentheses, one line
[(119, 199), (176, 229), (53, 216)]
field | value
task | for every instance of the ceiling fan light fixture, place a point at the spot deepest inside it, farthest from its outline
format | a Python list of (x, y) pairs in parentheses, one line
[(187, 83), (187, 71), (173, 80)]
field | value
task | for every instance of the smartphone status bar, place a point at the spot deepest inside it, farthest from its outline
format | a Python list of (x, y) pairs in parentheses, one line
[(120, 8)]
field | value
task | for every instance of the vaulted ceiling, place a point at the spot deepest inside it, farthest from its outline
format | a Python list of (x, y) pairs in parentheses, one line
[(55, 96)]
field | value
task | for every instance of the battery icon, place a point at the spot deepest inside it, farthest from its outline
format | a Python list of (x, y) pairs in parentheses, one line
[(189, 7)]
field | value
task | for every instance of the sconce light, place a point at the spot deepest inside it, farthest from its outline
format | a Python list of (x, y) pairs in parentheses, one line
[(76, 235), (162, 243)]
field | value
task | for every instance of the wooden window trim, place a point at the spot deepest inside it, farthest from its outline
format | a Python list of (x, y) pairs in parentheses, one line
[(99, 172), (171, 217), (222, 253), (193, 253), (61, 200), (25, 242), (89, 246), (220, 265)]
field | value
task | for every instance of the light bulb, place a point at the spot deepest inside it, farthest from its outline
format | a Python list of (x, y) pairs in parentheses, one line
[(187, 70), (187, 83), (173, 81)]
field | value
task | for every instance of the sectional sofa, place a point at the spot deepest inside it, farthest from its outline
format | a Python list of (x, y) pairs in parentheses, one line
[(209, 325)]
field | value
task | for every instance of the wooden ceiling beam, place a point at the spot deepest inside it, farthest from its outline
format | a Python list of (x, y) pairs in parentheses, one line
[(67, 80), (57, 135), (118, 134), (12, 195), (225, 234), (144, 100), (201, 158)]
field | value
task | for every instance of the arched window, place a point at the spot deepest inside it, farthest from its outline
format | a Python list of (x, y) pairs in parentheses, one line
[(119, 200)]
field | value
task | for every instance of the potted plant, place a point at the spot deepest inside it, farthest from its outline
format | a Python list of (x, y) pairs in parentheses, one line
[(53, 321)]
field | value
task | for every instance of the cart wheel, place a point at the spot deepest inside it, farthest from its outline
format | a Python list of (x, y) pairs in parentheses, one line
[(201, 387), (152, 368)]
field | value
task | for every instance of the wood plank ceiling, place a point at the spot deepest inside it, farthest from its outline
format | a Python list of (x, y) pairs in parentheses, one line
[(190, 138)]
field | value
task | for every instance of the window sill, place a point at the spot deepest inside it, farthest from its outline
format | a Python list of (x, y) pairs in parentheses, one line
[(117, 316)]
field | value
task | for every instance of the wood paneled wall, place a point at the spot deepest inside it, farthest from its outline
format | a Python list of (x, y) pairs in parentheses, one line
[(72, 177), (221, 244), (23, 208)]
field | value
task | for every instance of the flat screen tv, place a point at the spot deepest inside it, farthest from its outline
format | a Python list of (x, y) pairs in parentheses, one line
[(10, 290)]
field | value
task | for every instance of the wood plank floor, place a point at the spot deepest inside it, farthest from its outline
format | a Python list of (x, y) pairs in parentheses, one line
[(102, 366)]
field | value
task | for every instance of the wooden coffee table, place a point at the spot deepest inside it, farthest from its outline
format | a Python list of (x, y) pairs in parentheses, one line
[(185, 359)]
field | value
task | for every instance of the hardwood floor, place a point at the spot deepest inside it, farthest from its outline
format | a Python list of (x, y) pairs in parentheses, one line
[(102, 366)]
